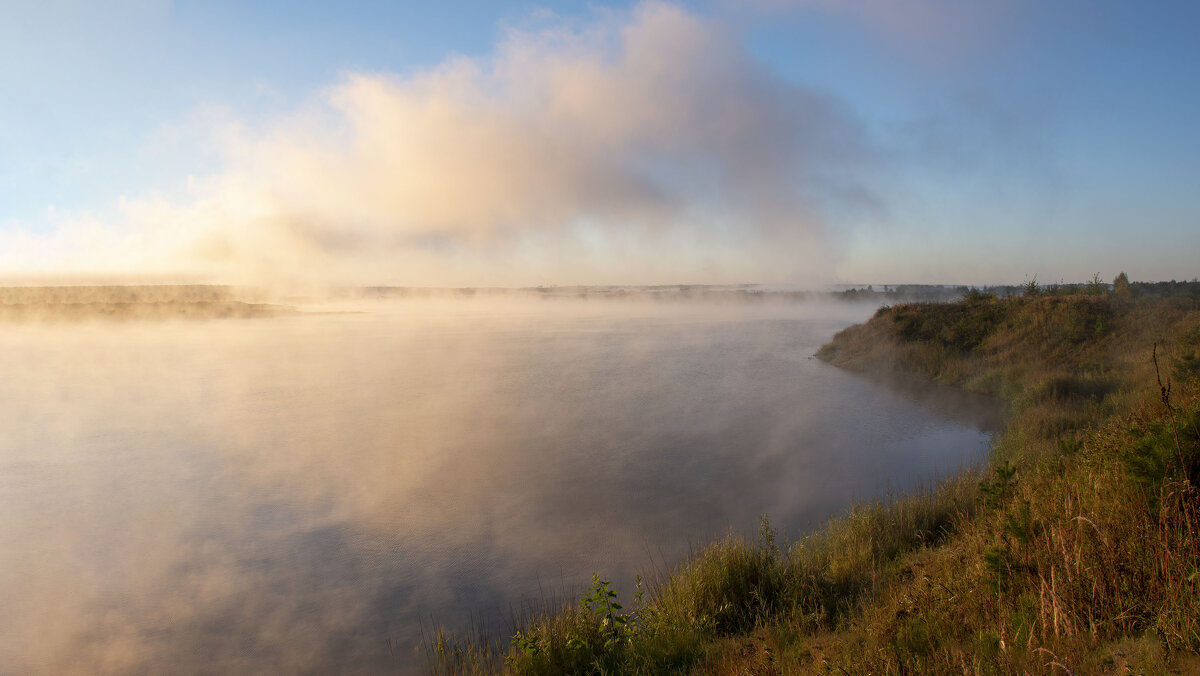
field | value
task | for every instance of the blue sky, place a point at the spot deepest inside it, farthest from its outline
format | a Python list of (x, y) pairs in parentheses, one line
[(813, 141)]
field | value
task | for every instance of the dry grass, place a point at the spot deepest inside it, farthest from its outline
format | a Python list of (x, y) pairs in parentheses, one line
[(1077, 551)]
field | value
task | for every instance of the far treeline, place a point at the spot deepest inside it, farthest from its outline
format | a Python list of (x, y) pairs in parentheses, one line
[(917, 293), (1076, 549)]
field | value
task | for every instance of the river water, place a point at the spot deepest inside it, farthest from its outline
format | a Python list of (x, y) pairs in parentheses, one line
[(299, 494)]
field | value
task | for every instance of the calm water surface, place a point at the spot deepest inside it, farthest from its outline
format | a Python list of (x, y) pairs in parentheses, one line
[(298, 494)]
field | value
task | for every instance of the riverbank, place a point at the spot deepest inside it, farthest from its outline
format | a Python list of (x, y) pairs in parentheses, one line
[(129, 303), (1076, 548)]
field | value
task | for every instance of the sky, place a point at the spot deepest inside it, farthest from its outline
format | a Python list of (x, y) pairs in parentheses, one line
[(506, 143)]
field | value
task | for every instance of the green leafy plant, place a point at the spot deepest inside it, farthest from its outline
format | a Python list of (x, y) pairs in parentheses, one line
[(600, 603), (590, 638)]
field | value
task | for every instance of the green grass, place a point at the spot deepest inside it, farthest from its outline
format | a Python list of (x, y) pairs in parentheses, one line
[(1076, 551)]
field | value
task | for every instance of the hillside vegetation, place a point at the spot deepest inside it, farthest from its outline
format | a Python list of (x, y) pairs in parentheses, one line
[(1077, 550)]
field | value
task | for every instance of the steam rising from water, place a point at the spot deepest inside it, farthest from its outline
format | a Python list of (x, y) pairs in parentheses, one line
[(644, 147), (294, 492)]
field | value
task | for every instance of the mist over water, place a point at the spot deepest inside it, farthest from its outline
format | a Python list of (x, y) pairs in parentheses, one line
[(297, 494)]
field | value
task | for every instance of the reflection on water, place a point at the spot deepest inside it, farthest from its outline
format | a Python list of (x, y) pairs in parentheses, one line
[(297, 494)]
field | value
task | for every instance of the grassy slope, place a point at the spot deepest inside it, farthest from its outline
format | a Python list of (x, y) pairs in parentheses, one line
[(1076, 550)]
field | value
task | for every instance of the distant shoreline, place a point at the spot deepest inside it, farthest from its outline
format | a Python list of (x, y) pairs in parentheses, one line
[(111, 294), (120, 303), (58, 312)]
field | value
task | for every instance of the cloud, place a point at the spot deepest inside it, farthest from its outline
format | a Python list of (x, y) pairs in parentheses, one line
[(645, 146)]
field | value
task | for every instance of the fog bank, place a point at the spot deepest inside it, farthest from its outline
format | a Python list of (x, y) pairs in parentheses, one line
[(641, 147)]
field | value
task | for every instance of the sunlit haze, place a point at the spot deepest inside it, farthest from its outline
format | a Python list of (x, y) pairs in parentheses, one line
[(797, 142), (322, 324)]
